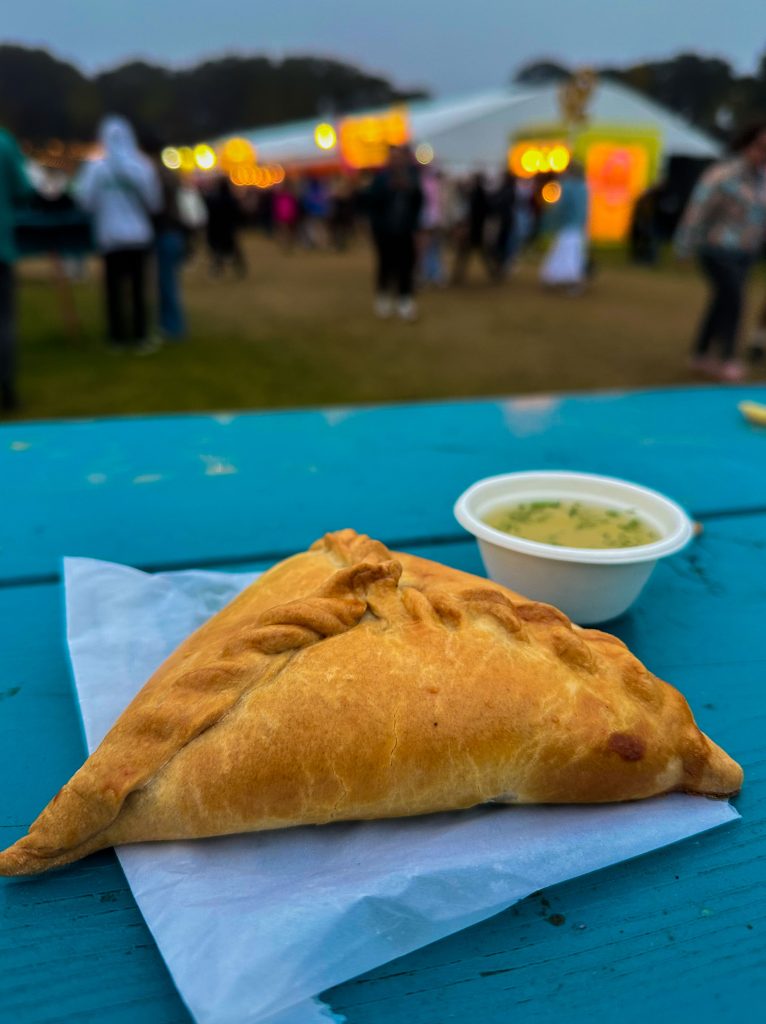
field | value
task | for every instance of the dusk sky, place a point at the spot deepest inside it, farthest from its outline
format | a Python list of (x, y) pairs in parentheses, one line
[(445, 45)]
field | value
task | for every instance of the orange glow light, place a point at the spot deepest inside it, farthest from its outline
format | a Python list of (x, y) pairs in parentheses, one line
[(252, 175), (551, 192), (237, 151), (365, 141)]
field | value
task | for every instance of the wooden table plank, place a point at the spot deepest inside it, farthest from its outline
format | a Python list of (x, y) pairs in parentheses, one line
[(657, 932), (160, 491)]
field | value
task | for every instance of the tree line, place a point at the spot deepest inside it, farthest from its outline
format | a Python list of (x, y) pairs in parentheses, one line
[(44, 98)]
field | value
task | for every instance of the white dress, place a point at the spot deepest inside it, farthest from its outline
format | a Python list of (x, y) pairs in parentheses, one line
[(565, 260)]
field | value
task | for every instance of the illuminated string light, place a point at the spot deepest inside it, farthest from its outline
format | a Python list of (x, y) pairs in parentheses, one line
[(237, 151), (365, 141), (424, 153), (537, 157), (325, 136), (171, 158), (186, 158), (204, 157), (252, 175), (530, 161), (559, 158), (551, 192)]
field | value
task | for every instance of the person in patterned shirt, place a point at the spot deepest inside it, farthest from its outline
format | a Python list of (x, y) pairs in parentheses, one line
[(724, 227)]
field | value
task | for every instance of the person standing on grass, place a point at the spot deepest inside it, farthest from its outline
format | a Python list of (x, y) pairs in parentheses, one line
[(566, 263), (182, 211), (342, 214), (433, 222), (503, 205), (724, 227), (287, 214), (393, 202), (315, 203), (471, 233), (224, 220), (14, 188), (122, 193)]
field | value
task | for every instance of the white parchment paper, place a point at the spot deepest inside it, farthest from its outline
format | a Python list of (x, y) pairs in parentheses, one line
[(252, 927)]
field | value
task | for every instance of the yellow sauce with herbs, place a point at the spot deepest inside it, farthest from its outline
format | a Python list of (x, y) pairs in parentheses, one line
[(573, 524)]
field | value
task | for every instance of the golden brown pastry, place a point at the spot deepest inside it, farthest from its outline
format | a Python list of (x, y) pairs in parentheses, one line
[(350, 682)]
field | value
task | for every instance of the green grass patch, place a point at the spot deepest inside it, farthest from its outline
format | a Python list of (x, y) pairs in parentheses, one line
[(299, 331)]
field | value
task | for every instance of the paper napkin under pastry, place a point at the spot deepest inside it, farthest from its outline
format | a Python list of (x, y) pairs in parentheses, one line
[(254, 927)]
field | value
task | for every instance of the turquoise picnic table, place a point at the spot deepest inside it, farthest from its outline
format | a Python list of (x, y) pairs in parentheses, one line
[(678, 934)]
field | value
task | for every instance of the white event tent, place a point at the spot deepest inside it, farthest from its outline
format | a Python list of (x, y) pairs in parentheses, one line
[(473, 132)]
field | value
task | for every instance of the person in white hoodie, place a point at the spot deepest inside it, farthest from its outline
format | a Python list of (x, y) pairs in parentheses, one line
[(122, 192)]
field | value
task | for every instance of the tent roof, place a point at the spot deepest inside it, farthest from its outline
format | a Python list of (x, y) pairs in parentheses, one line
[(473, 131)]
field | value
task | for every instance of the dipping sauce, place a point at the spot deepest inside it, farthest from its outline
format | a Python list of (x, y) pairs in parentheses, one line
[(573, 524)]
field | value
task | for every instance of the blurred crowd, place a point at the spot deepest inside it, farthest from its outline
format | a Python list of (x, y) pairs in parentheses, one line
[(426, 229)]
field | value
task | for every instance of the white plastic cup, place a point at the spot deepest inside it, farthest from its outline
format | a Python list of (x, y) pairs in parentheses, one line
[(590, 585)]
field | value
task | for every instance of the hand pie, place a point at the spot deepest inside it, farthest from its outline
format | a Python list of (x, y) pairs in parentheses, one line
[(351, 682)]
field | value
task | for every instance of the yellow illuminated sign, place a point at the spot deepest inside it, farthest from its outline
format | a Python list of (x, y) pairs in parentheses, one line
[(366, 140), (620, 162), (617, 173)]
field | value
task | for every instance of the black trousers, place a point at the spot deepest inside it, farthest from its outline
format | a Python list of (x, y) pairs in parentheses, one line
[(228, 251), (727, 275), (464, 248), (127, 313), (7, 337), (396, 263)]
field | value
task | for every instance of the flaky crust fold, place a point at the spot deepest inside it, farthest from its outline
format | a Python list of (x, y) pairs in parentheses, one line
[(350, 682)]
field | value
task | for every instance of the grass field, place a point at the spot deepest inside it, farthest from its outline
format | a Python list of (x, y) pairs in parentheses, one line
[(299, 331)]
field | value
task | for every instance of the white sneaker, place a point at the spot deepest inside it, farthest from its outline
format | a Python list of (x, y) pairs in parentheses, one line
[(731, 372), (407, 310), (148, 346), (384, 306)]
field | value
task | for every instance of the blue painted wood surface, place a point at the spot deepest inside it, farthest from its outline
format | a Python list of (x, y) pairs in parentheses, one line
[(678, 934), (160, 491)]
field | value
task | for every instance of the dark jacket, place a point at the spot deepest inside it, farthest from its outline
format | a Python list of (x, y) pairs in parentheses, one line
[(393, 202), (478, 210), (14, 189)]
